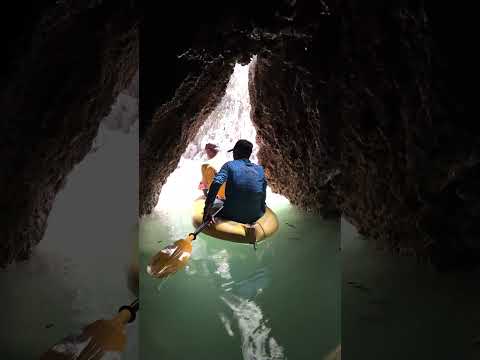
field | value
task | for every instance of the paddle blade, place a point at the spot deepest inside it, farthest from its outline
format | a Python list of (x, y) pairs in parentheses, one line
[(171, 258), (103, 339)]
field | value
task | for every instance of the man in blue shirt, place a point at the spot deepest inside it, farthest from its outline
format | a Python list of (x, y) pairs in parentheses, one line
[(245, 190)]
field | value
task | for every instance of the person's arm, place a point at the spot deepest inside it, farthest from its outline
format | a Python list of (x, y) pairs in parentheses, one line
[(217, 182)]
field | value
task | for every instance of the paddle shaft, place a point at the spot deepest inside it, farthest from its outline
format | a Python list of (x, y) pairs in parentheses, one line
[(205, 224)]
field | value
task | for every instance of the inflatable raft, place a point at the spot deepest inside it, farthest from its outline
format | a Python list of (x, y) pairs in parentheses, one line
[(230, 230)]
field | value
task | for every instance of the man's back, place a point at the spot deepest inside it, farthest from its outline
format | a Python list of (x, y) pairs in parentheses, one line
[(245, 190)]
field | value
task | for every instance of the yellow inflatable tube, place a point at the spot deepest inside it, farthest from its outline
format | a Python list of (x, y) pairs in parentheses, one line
[(230, 230)]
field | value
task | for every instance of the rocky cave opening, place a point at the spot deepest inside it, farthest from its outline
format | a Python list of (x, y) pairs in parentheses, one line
[(365, 123), (358, 102), (229, 121), (355, 103)]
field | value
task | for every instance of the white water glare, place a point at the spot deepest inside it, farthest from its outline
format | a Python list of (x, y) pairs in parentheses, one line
[(228, 122)]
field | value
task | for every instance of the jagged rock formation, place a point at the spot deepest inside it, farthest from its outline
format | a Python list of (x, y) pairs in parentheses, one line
[(295, 135), (124, 111), (200, 60), (193, 102), (361, 109), (65, 63), (357, 110), (409, 152)]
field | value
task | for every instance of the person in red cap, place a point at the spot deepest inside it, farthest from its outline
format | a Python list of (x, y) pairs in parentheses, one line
[(209, 171), (211, 150), (246, 187)]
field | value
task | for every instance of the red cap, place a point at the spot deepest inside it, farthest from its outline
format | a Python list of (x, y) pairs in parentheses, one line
[(211, 146)]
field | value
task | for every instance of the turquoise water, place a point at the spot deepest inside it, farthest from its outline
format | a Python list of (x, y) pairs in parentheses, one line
[(281, 301)]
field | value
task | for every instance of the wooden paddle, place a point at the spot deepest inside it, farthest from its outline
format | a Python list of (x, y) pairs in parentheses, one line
[(102, 339), (175, 256)]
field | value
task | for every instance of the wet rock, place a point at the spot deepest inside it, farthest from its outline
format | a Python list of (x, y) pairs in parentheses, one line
[(196, 97), (295, 141), (64, 64)]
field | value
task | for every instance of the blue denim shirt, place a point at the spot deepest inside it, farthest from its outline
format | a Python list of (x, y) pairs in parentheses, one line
[(245, 190)]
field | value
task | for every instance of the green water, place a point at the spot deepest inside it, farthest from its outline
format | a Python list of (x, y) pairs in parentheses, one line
[(397, 308), (281, 301)]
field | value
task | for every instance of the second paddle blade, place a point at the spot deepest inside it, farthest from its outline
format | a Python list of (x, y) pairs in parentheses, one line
[(101, 340), (171, 258)]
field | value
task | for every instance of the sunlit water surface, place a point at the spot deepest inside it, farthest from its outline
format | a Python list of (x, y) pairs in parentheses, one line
[(281, 301)]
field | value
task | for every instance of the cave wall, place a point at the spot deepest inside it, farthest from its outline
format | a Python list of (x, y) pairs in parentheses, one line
[(373, 120), (409, 147), (298, 140), (361, 109), (64, 66), (196, 97)]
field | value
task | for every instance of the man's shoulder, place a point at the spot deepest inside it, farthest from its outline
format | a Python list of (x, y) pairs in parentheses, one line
[(258, 166), (237, 163), (229, 163), (241, 163)]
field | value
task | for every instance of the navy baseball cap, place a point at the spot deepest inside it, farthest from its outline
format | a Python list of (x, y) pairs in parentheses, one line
[(243, 147)]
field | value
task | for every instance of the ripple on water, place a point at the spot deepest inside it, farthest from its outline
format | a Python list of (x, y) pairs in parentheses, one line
[(255, 336)]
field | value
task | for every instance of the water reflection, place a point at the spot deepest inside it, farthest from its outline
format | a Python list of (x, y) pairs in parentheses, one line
[(226, 322), (220, 259), (254, 330), (226, 298), (238, 295)]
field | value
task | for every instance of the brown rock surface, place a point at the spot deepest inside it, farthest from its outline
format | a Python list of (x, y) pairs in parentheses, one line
[(297, 144), (408, 144), (65, 64), (361, 109), (159, 153)]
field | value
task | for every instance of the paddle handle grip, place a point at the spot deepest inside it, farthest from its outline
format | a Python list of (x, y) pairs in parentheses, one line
[(132, 308), (205, 224)]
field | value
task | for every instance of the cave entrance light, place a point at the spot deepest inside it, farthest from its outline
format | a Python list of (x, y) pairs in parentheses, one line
[(228, 122)]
